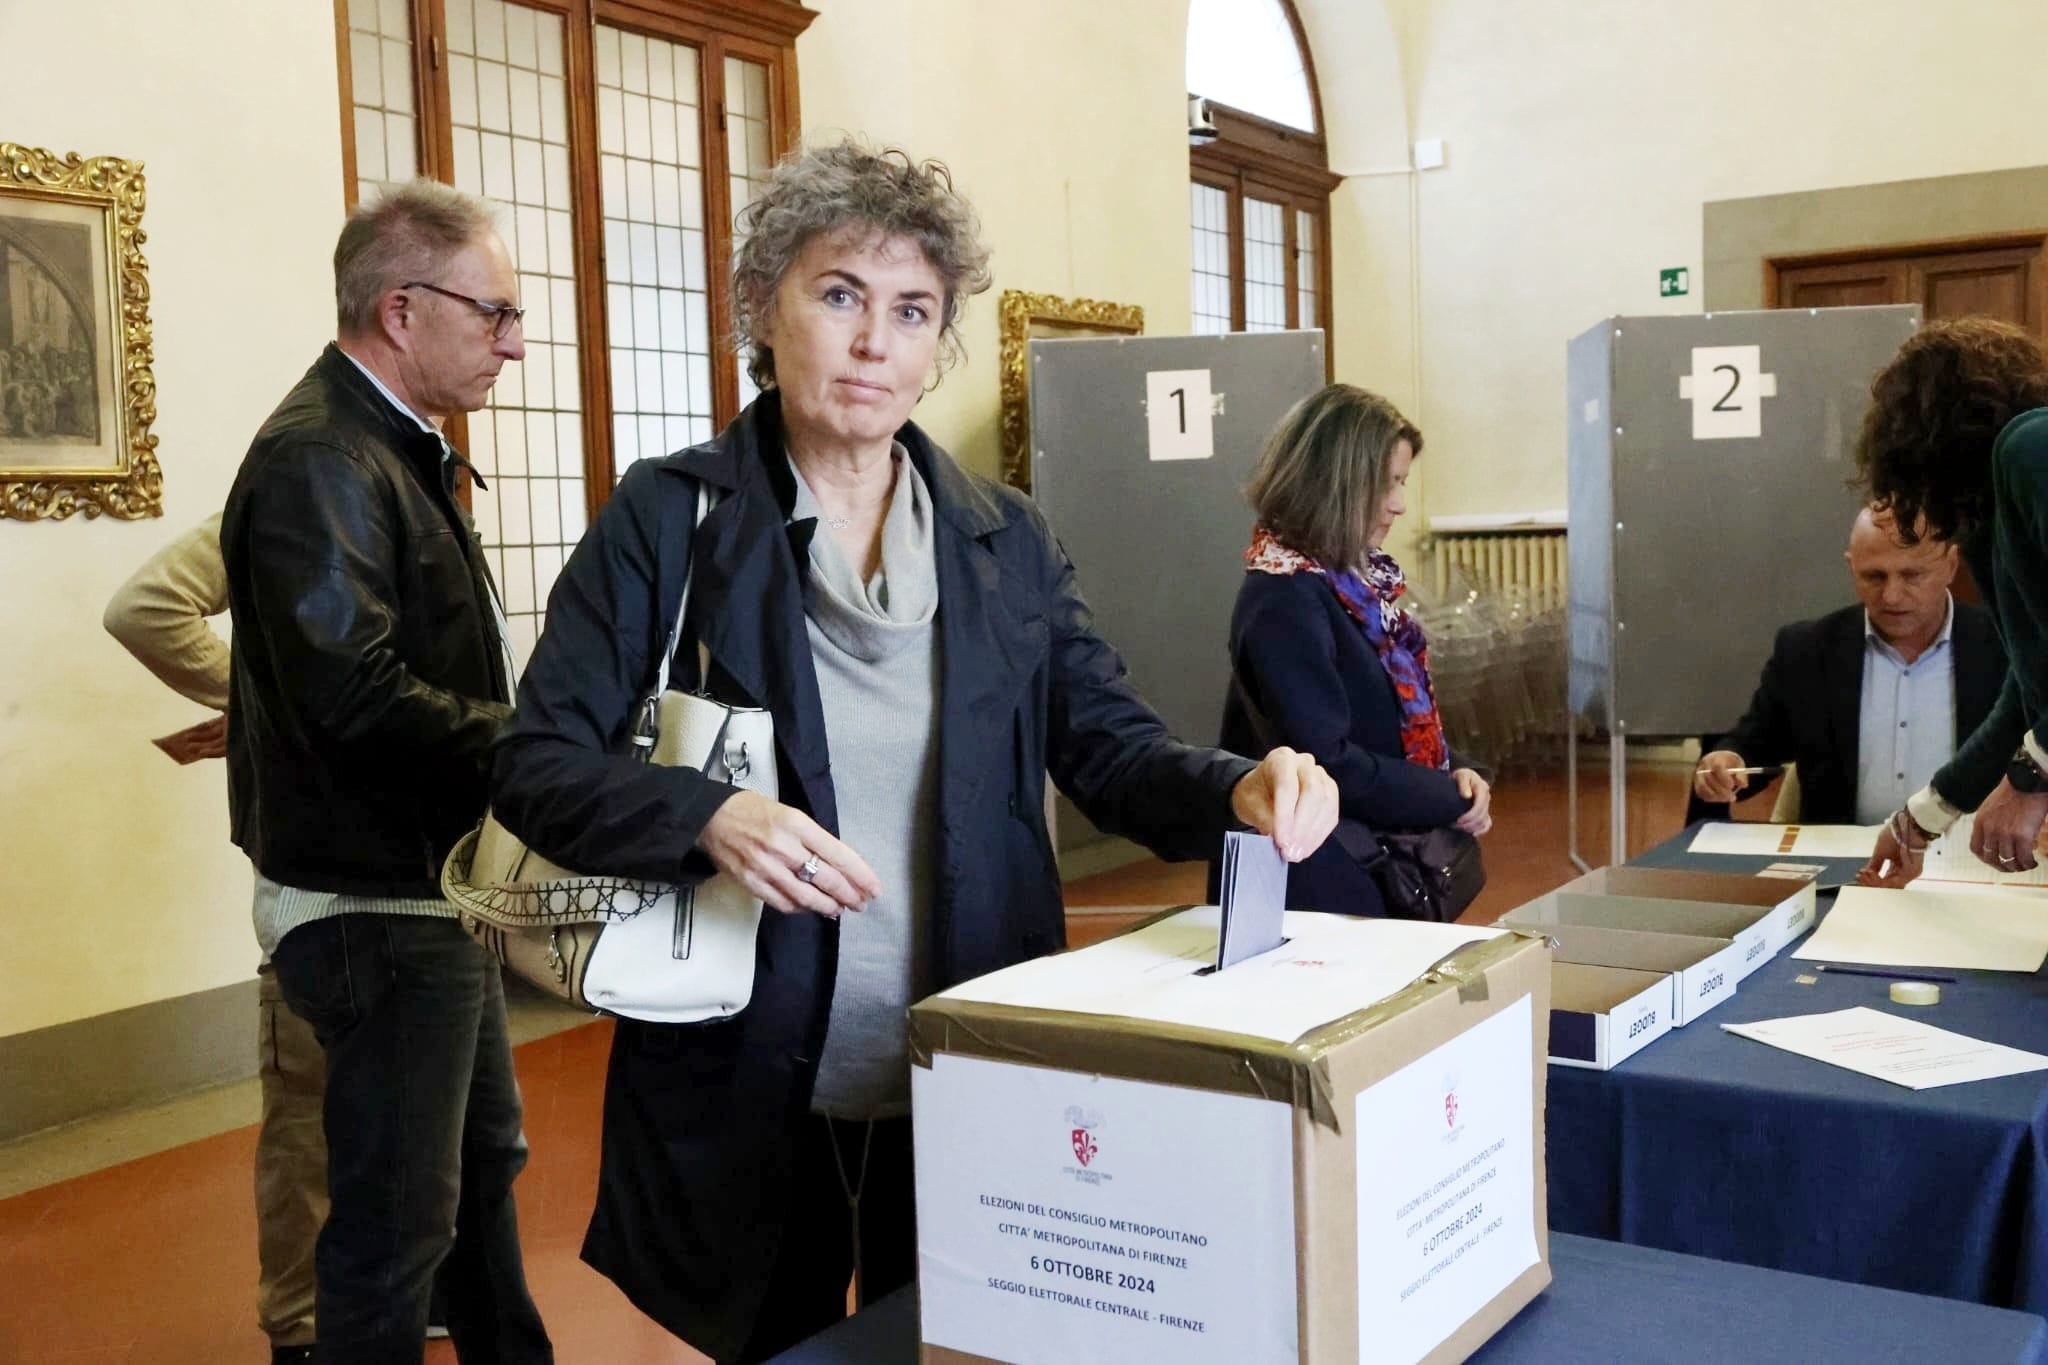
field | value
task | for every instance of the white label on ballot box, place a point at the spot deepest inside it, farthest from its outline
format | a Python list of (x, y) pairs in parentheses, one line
[(1446, 1187), (1066, 1218)]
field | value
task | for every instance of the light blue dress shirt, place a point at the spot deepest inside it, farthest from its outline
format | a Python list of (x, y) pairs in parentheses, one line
[(1908, 725)]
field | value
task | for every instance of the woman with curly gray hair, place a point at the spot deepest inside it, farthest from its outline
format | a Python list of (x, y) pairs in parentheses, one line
[(918, 637)]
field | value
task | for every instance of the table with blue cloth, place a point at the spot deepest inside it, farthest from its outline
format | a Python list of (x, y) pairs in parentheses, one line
[(1617, 1303), (1715, 1145)]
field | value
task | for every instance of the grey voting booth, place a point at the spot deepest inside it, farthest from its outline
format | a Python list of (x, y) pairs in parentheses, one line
[(1710, 468), (1140, 448)]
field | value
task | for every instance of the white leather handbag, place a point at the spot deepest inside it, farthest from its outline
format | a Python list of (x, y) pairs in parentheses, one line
[(668, 954)]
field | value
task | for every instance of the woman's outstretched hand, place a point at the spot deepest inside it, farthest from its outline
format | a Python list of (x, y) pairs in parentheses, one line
[(1290, 798)]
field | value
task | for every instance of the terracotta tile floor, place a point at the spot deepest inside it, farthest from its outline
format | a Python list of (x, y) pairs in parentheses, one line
[(154, 1261)]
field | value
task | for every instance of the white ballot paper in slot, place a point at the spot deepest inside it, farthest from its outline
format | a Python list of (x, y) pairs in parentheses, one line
[(1254, 897), (1903, 1051), (1749, 839), (1923, 926)]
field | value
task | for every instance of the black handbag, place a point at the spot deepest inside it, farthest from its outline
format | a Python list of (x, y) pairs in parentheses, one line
[(1432, 874)]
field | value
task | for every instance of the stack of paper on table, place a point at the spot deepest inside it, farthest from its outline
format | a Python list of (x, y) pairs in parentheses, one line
[(1903, 1051), (1925, 925), (1748, 838)]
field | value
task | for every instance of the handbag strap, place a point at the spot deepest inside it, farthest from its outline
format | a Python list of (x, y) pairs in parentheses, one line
[(648, 729)]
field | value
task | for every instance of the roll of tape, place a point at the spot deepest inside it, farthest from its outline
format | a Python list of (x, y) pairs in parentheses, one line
[(1916, 993)]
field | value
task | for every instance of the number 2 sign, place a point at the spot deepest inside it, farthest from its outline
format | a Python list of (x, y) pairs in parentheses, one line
[(1727, 387), (1179, 415)]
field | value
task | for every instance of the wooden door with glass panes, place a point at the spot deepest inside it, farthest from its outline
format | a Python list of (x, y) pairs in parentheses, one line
[(615, 143)]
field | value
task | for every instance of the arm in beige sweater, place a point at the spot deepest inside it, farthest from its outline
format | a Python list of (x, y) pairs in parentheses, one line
[(160, 615)]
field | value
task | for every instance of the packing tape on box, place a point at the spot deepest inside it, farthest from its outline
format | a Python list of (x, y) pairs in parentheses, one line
[(1296, 1073), (1915, 993)]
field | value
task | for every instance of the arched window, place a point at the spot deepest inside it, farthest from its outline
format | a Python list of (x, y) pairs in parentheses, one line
[(1260, 173)]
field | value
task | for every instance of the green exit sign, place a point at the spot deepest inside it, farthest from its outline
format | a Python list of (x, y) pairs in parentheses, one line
[(1672, 283)]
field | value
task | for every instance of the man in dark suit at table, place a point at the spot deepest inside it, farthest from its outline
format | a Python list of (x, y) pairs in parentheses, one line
[(1868, 701)]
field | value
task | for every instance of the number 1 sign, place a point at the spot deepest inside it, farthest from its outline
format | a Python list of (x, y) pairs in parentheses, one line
[(1179, 416), (1726, 388)]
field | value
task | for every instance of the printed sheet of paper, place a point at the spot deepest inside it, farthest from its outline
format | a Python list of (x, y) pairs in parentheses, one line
[(1329, 966), (1923, 926), (1903, 1051), (1949, 860), (1446, 1220), (1065, 1217), (1750, 839)]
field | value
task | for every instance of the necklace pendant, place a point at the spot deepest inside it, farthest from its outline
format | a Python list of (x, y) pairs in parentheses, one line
[(838, 523)]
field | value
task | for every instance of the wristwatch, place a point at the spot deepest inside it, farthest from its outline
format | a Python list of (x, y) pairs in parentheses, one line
[(2024, 776)]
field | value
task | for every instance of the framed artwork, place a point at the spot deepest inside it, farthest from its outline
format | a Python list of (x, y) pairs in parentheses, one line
[(77, 394), (1023, 317)]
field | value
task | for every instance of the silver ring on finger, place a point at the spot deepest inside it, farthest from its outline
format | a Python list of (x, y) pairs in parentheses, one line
[(2005, 861), (809, 871)]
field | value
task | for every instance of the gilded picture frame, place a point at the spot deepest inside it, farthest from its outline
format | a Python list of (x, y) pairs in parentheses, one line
[(1021, 318), (77, 387)]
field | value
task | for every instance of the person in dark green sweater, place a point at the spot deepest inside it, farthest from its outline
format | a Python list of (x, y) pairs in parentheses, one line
[(1955, 445)]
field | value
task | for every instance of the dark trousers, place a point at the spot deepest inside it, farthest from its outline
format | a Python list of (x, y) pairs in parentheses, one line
[(807, 1288), (423, 1140)]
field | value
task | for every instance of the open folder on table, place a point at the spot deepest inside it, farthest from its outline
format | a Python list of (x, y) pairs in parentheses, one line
[(1928, 925)]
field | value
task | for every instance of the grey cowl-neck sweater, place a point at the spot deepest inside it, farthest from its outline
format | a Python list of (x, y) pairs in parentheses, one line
[(878, 682)]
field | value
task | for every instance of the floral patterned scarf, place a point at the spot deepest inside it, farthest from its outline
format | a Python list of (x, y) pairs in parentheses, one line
[(1371, 598)]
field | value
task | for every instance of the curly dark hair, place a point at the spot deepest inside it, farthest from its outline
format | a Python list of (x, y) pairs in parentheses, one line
[(850, 185), (1925, 447)]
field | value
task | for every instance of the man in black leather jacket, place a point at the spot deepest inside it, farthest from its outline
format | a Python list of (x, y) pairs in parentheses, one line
[(370, 676)]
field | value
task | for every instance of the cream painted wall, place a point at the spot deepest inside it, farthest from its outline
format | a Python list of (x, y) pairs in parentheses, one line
[(1583, 140), (1065, 127), (117, 881), (1064, 121)]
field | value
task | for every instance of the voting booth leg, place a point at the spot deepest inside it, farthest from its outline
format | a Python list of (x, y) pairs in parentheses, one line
[(1571, 792), (1617, 795)]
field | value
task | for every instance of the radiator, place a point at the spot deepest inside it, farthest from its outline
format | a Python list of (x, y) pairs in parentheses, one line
[(1523, 563)]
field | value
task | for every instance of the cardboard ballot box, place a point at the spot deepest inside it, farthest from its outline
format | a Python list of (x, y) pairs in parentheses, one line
[(1790, 904), (1332, 1151), (1704, 968), (1602, 1016)]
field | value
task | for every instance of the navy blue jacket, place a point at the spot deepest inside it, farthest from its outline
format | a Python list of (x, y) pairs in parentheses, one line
[(1304, 675), (700, 1120)]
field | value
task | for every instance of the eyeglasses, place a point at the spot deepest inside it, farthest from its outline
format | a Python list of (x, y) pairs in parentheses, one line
[(503, 315)]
